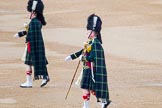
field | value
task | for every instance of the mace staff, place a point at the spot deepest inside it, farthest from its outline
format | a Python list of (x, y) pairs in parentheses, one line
[(72, 79)]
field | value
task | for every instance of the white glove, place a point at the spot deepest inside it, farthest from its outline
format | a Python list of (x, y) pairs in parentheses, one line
[(16, 35), (68, 58), (80, 57)]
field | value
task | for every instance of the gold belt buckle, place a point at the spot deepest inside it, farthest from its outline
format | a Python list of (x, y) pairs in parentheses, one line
[(85, 67)]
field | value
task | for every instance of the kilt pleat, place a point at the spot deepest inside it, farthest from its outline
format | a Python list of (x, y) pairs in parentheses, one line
[(86, 81)]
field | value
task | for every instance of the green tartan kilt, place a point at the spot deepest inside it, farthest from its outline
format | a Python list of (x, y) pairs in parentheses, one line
[(28, 59), (86, 81)]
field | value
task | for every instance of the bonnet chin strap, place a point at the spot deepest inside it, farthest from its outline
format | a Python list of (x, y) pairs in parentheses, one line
[(34, 5)]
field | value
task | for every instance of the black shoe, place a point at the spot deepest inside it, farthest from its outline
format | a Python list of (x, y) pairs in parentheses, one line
[(108, 103), (44, 82)]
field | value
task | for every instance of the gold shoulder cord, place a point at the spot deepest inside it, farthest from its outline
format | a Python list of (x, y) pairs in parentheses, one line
[(26, 26), (87, 46)]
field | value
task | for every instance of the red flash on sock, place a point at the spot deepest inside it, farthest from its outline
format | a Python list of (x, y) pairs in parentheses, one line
[(28, 72), (86, 96)]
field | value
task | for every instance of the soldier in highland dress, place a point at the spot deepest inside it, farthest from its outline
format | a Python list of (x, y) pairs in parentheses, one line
[(94, 72), (35, 54)]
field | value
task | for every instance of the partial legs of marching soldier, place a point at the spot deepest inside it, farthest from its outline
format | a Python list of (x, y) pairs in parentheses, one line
[(34, 55), (93, 78)]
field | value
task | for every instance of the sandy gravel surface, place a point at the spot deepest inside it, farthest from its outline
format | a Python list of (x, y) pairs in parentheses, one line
[(132, 39)]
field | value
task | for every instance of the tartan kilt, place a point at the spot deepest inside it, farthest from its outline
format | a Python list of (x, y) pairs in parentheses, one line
[(101, 86), (28, 59), (86, 81)]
